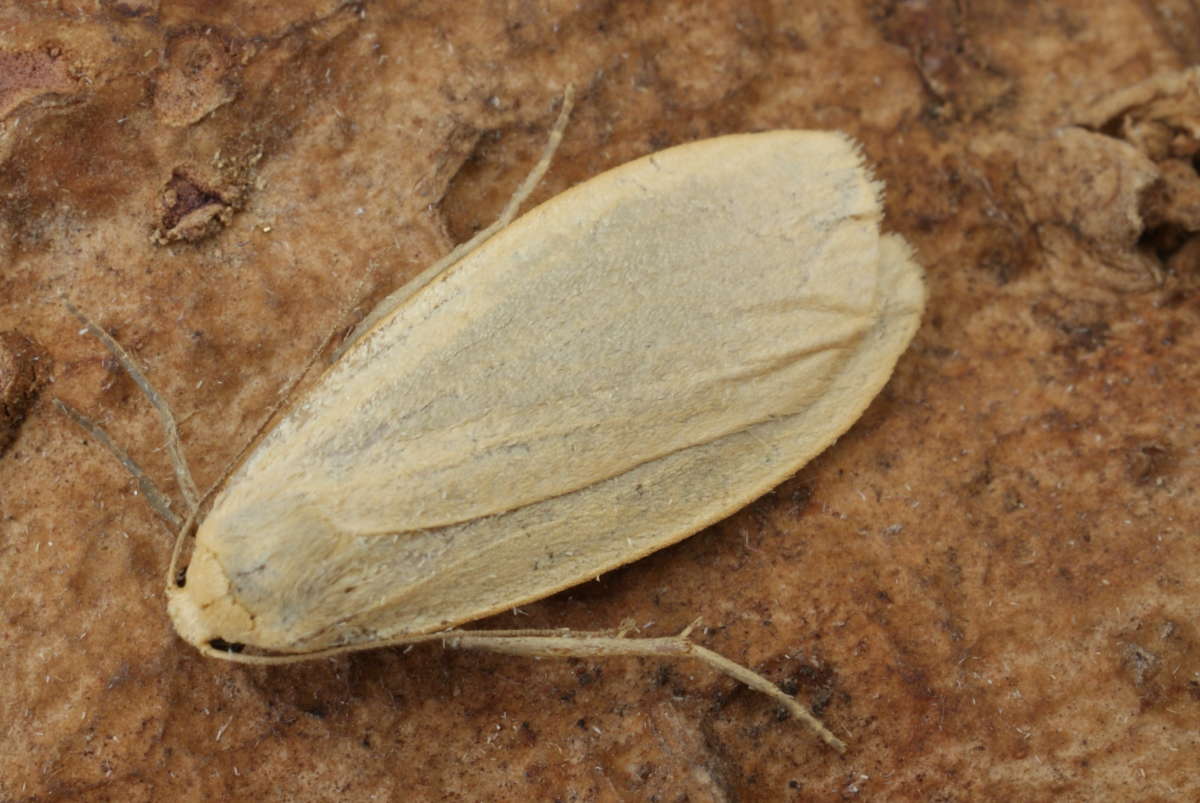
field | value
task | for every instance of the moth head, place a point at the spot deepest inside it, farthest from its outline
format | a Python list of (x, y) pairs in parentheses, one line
[(202, 608)]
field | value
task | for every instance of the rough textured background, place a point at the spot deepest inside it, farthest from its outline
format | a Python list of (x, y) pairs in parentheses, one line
[(989, 586)]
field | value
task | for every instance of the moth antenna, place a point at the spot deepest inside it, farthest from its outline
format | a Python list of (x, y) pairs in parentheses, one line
[(165, 417), (157, 500), (523, 191)]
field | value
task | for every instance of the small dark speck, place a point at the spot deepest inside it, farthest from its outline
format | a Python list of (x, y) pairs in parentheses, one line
[(226, 646), (660, 140)]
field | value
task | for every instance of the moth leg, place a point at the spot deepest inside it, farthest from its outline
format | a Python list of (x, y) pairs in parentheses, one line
[(398, 297), (588, 645), (166, 418), (563, 643)]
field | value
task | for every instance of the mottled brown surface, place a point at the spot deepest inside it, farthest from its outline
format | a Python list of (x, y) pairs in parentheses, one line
[(989, 587)]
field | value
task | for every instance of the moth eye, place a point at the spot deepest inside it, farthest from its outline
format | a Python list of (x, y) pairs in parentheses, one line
[(226, 646), (181, 577)]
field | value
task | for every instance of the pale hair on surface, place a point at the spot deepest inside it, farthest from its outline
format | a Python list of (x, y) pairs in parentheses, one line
[(620, 367)]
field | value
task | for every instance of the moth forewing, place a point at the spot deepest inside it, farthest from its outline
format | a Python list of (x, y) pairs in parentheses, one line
[(675, 329), (622, 366)]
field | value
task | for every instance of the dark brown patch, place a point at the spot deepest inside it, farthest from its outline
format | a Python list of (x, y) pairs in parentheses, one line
[(952, 65), (1160, 658), (192, 209), (1147, 463), (23, 371)]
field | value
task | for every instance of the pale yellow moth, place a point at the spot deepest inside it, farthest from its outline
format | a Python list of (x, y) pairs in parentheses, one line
[(620, 367)]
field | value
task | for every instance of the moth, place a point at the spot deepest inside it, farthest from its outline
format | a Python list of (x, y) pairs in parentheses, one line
[(567, 392)]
